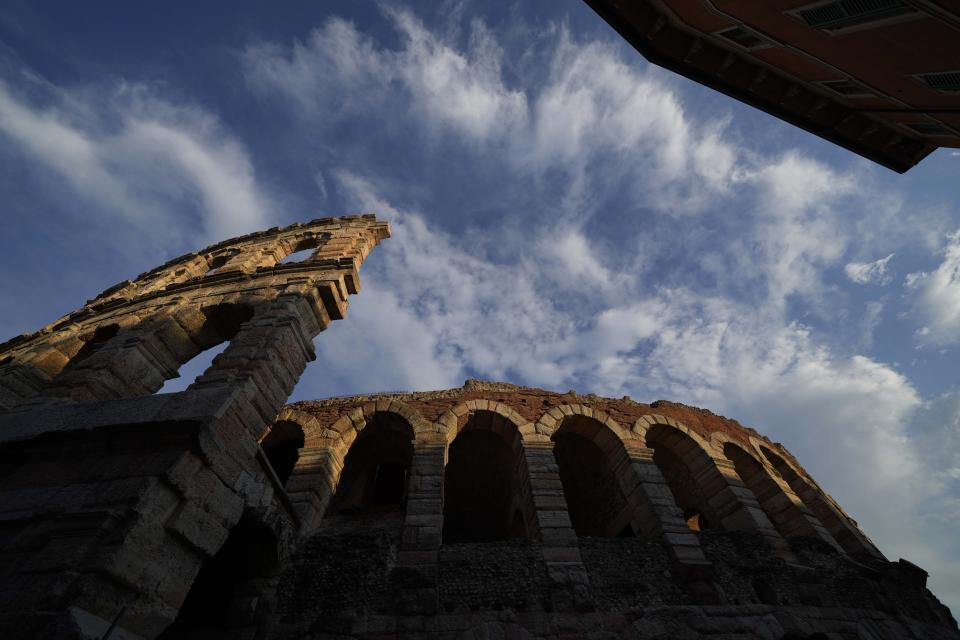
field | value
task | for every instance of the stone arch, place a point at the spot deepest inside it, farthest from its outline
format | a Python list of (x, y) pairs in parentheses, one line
[(594, 468), (376, 464), (321, 462), (453, 419), (704, 484), (297, 243), (486, 479), (837, 523), (551, 419), (684, 457), (644, 423), (789, 515)]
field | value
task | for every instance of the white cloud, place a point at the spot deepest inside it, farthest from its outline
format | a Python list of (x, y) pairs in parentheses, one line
[(340, 72), (937, 297), (869, 272), (146, 167), (580, 119)]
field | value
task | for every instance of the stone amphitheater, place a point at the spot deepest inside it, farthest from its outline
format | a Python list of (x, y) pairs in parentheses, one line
[(484, 512)]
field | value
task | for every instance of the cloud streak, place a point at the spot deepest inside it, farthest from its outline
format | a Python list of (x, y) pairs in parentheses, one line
[(869, 272), (158, 167)]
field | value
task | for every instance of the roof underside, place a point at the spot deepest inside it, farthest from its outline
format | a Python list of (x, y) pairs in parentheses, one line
[(664, 41)]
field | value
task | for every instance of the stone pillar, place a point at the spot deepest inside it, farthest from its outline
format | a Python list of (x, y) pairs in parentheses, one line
[(657, 514), (786, 509), (558, 540), (313, 483), (735, 505), (415, 575), (265, 359)]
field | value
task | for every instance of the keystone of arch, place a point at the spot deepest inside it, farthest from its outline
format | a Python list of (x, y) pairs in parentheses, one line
[(550, 421), (454, 418), (644, 423)]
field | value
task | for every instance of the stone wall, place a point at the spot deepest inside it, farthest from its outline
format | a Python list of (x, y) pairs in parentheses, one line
[(659, 577), (115, 500)]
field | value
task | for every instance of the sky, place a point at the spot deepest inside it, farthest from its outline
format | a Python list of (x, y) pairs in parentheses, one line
[(565, 216)]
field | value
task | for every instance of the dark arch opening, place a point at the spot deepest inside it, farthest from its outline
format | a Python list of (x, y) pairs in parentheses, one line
[(91, 342), (248, 556), (481, 488), (595, 500), (282, 446), (214, 263), (666, 444), (375, 469)]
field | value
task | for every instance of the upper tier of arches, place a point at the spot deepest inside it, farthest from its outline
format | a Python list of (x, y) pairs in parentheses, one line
[(654, 476)]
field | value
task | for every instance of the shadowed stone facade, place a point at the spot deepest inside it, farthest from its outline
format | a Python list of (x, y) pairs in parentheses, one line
[(484, 512), (113, 496)]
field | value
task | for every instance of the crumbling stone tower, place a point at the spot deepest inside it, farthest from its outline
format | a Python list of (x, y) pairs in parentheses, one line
[(111, 498)]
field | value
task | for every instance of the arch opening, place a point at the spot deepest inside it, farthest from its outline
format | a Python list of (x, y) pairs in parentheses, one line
[(282, 446), (235, 572), (842, 530), (482, 489), (90, 343), (300, 251), (297, 256), (221, 324), (216, 262), (675, 453), (376, 467), (595, 500)]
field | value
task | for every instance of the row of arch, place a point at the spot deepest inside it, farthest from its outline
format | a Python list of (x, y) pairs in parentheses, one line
[(498, 475)]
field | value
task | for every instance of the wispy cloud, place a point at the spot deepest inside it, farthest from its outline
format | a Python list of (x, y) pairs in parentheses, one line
[(937, 297), (870, 272), (139, 159)]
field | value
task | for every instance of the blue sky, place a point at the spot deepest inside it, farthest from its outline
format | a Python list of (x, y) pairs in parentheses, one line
[(564, 214)]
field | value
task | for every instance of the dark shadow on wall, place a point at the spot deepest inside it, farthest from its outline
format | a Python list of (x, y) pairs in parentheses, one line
[(595, 500), (223, 596), (480, 490)]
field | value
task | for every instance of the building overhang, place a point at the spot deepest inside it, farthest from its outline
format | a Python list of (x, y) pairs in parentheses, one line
[(656, 32)]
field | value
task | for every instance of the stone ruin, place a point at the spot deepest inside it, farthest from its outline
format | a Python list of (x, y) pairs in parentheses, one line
[(485, 512)]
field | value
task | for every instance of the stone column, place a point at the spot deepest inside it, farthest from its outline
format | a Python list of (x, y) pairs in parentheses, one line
[(265, 359), (786, 509), (313, 483), (656, 511), (735, 505), (558, 540), (415, 575)]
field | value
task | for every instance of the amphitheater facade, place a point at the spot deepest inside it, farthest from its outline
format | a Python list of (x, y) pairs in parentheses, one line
[(484, 512)]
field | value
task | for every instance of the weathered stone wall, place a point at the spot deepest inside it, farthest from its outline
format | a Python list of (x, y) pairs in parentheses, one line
[(113, 499), (661, 577)]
